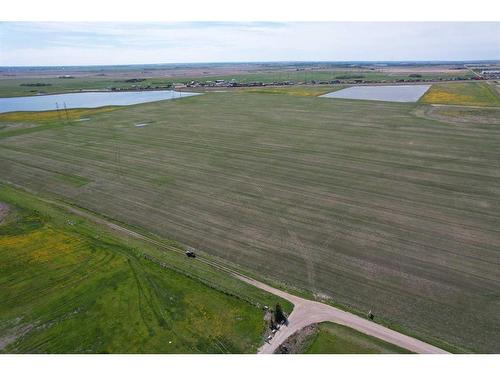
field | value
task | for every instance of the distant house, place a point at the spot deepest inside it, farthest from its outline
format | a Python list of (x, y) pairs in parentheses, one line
[(491, 73)]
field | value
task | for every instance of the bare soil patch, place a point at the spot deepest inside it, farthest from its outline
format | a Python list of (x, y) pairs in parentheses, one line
[(13, 334), (296, 342)]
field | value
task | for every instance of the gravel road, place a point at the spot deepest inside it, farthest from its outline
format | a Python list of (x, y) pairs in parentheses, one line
[(307, 312)]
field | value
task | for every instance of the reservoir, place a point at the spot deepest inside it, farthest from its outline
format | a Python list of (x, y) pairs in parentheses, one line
[(407, 93), (86, 100)]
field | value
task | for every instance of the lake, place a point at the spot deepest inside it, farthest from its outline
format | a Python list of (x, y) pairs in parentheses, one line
[(86, 100), (407, 93)]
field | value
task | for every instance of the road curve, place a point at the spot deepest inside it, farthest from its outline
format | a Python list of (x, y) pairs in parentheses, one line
[(307, 312)]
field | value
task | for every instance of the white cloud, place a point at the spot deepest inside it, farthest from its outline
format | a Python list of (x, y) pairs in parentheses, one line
[(129, 43)]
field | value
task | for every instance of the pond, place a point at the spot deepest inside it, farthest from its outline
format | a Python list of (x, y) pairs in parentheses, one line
[(407, 93), (86, 100)]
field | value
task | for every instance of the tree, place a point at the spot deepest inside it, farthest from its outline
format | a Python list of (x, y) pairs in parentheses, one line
[(279, 315)]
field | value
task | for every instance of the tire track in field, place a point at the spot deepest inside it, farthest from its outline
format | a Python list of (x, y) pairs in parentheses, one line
[(305, 311)]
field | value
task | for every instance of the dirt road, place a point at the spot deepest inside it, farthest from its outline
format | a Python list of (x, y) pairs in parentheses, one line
[(307, 312)]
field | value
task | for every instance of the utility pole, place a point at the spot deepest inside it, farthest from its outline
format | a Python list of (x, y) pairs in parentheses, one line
[(58, 113), (66, 112)]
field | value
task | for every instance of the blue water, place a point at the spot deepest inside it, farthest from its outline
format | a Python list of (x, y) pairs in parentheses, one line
[(86, 100), (406, 93)]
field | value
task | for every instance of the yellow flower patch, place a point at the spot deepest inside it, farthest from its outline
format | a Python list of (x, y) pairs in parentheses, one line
[(49, 116), (41, 245)]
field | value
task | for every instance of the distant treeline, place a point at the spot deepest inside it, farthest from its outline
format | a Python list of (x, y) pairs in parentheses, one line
[(38, 84), (133, 80), (350, 76)]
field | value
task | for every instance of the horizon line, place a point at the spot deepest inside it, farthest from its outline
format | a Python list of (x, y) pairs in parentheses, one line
[(257, 62)]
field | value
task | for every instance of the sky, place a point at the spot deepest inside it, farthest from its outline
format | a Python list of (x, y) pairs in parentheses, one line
[(99, 43)]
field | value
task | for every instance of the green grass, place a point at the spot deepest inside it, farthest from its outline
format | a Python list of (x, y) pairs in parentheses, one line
[(73, 179), (12, 86), (333, 338), (363, 202), (327, 75), (293, 91), (68, 286), (471, 93)]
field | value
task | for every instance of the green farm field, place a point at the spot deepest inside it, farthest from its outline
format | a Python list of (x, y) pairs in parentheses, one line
[(364, 203), (475, 94), (68, 286), (14, 86), (332, 338)]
